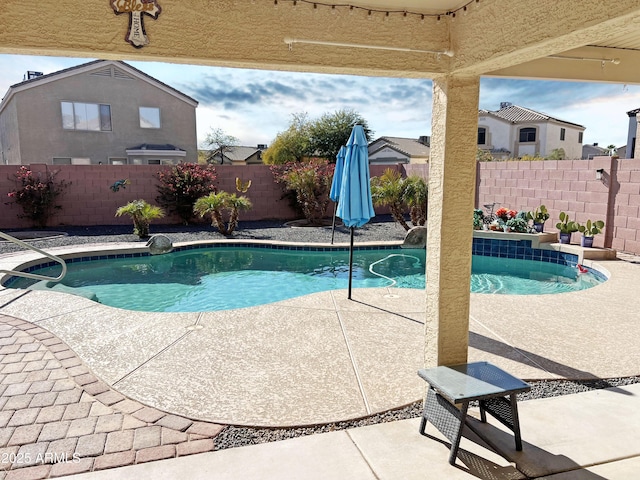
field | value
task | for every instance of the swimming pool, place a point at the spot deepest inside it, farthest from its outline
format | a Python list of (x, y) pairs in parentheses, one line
[(224, 277)]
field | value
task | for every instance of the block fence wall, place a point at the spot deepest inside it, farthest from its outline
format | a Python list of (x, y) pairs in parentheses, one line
[(567, 186), (89, 200), (564, 185)]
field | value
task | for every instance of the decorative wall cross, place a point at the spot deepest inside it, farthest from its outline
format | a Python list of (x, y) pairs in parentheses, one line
[(136, 34)]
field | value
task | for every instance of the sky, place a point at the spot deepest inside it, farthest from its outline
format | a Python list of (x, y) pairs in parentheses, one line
[(255, 105)]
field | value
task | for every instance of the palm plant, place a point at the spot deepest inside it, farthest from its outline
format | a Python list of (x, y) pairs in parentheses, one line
[(219, 205), (391, 190), (415, 195), (387, 191), (141, 213)]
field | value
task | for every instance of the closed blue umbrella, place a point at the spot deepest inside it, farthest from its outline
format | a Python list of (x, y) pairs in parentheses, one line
[(336, 184), (355, 207)]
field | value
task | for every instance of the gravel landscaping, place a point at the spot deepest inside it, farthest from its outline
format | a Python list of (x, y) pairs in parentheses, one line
[(381, 229)]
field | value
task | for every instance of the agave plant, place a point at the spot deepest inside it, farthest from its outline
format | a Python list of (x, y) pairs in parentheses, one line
[(141, 213), (221, 204)]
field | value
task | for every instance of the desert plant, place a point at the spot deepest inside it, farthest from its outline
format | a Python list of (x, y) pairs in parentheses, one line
[(37, 193), (181, 185), (415, 196), (141, 213), (565, 225), (539, 215), (589, 229), (220, 205), (388, 190), (311, 183)]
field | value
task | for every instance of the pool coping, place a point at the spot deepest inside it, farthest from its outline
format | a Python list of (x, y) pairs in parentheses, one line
[(154, 357)]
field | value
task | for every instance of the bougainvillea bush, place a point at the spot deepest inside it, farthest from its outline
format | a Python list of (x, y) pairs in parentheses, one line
[(37, 193), (311, 182), (183, 184)]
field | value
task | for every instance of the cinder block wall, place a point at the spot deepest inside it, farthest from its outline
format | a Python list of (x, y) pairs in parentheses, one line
[(567, 185)]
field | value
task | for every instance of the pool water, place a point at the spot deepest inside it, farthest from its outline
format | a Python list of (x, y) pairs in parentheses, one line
[(223, 278)]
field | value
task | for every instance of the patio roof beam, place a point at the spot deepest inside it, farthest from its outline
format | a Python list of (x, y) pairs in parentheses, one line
[(505, 33)]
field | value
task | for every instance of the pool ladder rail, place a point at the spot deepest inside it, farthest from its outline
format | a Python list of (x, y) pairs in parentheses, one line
[(34, 276)]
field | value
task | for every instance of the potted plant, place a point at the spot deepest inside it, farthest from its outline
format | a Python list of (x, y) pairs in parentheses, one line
[(566, 227), (539, 216), (519, 223), (141, 213), (588, 231)]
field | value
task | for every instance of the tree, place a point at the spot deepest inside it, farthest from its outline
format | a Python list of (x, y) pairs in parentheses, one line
[(217, 143), (292, 145), (332, 130)]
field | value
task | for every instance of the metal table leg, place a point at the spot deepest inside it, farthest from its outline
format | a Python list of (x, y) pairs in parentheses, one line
[(447, 418)]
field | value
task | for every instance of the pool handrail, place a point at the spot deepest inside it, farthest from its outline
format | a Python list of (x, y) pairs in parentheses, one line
[(34, 276)]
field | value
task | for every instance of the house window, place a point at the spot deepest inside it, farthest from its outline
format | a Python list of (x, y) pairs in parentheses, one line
[(482, 136), (149, 117), (71, 161), (527, 135), (86, 116), (154, 161), (562, 133), (117, 161), (579, 137), (80, 161)]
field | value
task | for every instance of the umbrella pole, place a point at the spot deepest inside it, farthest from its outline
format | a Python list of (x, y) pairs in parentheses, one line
[(350, 263), (333, 224)]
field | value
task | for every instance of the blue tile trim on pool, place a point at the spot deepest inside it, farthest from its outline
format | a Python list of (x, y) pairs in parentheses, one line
[(522, 250), (516, 249)]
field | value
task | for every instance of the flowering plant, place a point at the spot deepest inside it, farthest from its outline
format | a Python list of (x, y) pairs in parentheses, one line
[(36, 193), (183, 184), (311, 183), (505, 214)]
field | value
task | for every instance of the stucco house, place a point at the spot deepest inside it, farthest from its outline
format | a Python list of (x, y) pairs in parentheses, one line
[(631, 147), (595, 150), (394, 150), (514, 131), (101, 112), (239, 155)]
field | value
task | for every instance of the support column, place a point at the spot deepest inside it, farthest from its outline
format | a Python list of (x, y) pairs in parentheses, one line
[(452, 183)]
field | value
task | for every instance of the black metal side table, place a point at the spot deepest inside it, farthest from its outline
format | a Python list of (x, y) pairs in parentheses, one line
[(449, 386)]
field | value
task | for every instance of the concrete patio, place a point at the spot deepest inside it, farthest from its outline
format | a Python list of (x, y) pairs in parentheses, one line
[(125, 388)]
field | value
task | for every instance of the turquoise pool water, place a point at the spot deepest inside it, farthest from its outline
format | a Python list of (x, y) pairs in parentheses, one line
[(223, 278)]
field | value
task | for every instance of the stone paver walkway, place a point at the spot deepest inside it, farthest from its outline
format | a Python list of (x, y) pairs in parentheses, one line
[(57, 418)]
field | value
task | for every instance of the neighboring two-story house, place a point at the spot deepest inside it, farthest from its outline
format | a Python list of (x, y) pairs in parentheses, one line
[(393, 150), (514, 131), (101, 112)]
